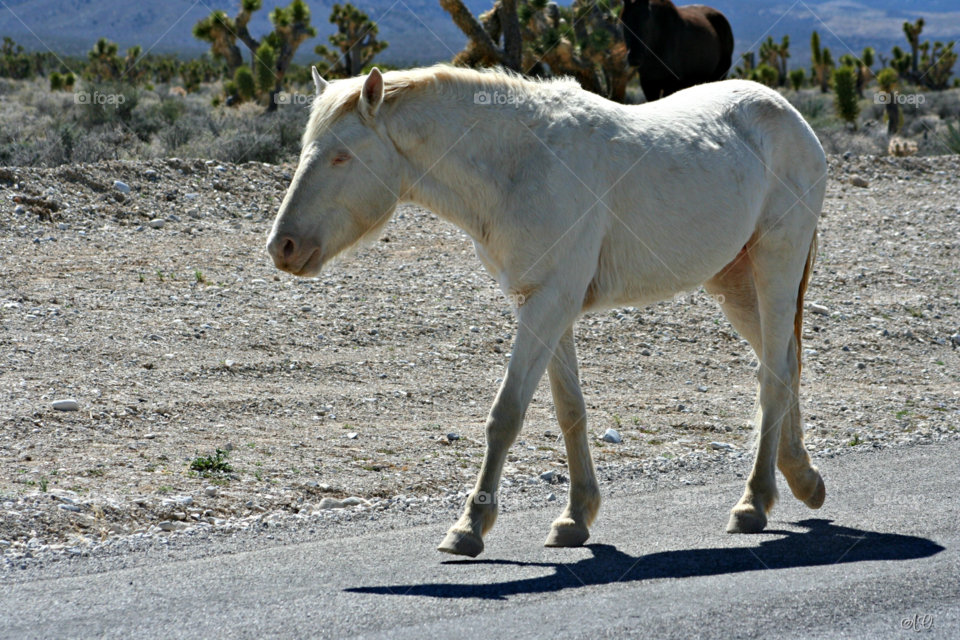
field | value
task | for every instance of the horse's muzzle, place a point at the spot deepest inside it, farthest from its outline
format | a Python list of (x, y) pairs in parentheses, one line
[(293, 255)]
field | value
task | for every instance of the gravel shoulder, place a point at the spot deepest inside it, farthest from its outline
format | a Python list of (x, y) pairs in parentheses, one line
[(179, 338)]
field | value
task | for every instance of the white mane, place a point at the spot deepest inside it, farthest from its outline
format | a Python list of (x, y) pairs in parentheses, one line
[(341, 96)]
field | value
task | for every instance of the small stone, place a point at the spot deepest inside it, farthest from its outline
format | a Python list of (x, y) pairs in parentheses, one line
[(169, 525), (150, 174), (210, 492), (548, 476), (552, 497), (955, 338), (157, 223), (818, 309), (122, 187), (857, 181), (861, 365), (702, 389), (645, 352), (720, 446), (352, 436), (474, 329), (352, 502), (329, 503), (67, 404), (228, 446), (70, 507), (19, 209), (453, 436), (249, 504), (193, 213), (611, 435)]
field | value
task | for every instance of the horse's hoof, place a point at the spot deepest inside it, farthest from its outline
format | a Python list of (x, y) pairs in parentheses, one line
[(567, 536), (819, 495), (746, 520), (459, 543)]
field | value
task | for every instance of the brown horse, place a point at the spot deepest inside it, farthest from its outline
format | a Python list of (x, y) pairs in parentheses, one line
[(675, 47)]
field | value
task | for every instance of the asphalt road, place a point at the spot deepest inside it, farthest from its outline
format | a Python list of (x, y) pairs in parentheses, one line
[(881, 556)]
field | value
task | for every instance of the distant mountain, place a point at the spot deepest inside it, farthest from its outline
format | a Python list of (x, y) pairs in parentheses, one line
[(420, 31)]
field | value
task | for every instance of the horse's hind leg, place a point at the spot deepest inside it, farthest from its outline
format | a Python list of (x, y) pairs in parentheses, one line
[(571, 528), (778, 268)]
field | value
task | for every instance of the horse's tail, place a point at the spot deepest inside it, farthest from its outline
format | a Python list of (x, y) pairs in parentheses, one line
[(804, 281)]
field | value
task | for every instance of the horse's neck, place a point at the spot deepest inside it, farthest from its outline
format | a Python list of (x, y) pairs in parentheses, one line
[(454, 163)]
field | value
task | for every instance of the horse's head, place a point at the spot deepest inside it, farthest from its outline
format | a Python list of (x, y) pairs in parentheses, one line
[(347, 182), (635, 17)]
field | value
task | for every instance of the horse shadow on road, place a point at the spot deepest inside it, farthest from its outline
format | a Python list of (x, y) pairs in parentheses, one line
[(822, 544)]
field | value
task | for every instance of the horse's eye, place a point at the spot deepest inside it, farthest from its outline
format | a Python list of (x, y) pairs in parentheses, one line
[(340, 158)]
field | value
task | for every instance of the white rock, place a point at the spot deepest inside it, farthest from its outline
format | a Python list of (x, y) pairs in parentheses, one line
[(611, 435), (721, 446), (329, 503), (552, 497), (122, 187), (210, 492), (67, 404), (352, 436), (157, 223), (818, 309), (352, 501), (702, 389), (168, 525), (955, 338), (548, 476)]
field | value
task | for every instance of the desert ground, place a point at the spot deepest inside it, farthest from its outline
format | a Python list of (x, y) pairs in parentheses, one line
[(152, 303)]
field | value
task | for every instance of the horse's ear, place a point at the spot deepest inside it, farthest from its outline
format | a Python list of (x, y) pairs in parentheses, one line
[(371, 96), (317, 80)]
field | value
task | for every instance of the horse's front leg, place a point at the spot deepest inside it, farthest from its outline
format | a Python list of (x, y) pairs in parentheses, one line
[(542, 320), (571, 529)]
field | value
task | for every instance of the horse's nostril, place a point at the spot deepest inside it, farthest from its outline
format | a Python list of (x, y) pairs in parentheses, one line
[(289, 247)]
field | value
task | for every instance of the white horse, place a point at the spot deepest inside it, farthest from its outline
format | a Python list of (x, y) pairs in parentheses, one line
[(577, 204)]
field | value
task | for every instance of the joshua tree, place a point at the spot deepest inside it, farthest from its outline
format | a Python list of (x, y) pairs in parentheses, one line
[(822, 63), (776, 56), (354, 45), (797, 78), (864, 71), (844, 80), (913, 31), (748, 62), (887, 80), (104, 63), (291, 26), (222, 32), (936, 66), (246, 86), (584, 40)]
